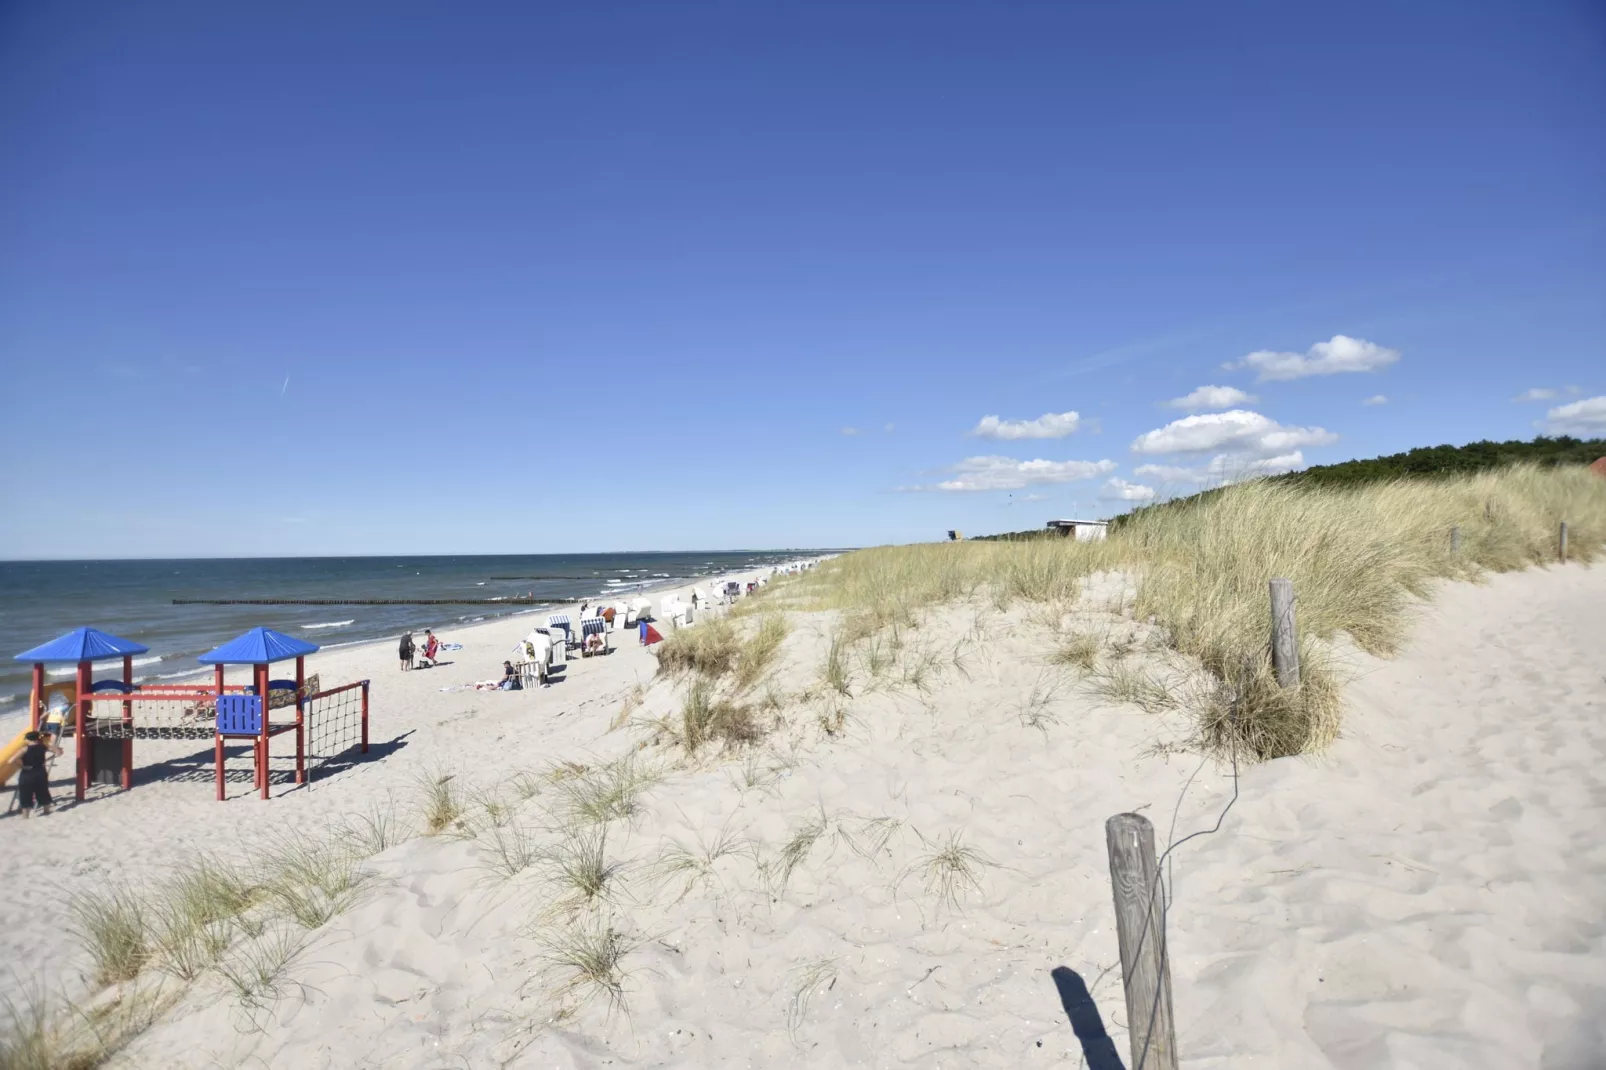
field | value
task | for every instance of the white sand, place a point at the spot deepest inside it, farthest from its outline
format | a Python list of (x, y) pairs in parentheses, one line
[(1428, 894)]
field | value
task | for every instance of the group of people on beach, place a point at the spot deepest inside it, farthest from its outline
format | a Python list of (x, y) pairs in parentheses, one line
[(430, 651)]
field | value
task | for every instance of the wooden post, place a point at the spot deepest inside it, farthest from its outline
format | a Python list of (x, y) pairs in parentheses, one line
[(1564, 542), (1284, 640), (1455, 539), (365, 717), (1140, 930)]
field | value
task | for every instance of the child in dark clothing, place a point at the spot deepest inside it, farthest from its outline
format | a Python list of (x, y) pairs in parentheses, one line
[(33, 783)]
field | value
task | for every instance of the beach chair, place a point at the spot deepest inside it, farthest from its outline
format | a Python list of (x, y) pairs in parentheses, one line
[(594, 626), (535, 657), (560, 620), (559, 645)]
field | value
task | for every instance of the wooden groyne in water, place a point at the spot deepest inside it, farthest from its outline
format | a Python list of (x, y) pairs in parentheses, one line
[(362, 601)]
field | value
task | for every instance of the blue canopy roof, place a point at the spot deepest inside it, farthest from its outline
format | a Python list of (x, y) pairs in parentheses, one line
[(83, 644), (258, 646)]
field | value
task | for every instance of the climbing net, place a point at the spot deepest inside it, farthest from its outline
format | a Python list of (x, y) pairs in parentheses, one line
[(162, 715), (336, 725)]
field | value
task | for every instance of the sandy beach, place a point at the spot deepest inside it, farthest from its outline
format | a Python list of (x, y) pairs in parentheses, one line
[(1425, 894)]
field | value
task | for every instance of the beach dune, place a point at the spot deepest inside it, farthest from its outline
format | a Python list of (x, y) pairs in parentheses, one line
[(1426, 893)]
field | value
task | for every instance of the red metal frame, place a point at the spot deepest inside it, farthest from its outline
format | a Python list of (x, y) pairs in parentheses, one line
[(38, 696), (260, 742)]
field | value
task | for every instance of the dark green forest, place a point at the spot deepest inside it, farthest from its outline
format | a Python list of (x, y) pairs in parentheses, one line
[(1424, 462), (1430, 461)]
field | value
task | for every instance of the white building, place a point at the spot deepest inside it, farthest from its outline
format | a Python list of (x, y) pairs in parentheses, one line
[(1082, 530)]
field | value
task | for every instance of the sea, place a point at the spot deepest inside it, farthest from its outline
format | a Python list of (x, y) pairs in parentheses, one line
[(40, 600)]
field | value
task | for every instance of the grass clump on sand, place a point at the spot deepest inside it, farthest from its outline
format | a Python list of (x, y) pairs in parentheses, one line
[(717, 649), (599, 794), (706, 717), (439, 807), (310, 882), (588, 959), (677, 862), (580, 865), (37, 1034), (115, 927), (1359, 559), (951, 869)]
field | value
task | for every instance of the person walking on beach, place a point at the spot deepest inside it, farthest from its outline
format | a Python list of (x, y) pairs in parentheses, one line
[(432, 647), (33, 782), (406, 651)]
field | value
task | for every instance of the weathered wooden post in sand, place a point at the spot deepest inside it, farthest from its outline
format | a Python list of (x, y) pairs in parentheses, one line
[(1284, 643), (1140, 930), (1563, 542), (1455, 539)]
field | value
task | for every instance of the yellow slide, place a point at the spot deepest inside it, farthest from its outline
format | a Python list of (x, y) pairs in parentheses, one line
[(11, 757)]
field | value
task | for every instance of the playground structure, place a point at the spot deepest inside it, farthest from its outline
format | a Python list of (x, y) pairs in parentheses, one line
[(106, 717)]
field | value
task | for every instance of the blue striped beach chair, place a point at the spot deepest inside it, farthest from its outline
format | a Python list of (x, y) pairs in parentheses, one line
[(594, 626), (561, 620)]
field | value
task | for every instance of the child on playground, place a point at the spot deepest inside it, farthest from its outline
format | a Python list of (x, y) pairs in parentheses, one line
[(33, 782)]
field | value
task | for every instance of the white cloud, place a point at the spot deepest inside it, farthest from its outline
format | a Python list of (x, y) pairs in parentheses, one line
[(1586, 417), (1341, 353), (1535, 393), (1006, 473), (1376, 399), (1230, 468), (889, 428), (1206, 398), (850, 431), (1048, 425), (1574, 390), (1120, 490), (1238, 431), (1169, 473), (1223, 468)]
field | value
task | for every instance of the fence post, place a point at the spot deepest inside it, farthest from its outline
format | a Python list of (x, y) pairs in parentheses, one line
[(1140, 930), (365, 717), (1564, 542), (1284, 641), (1455, 539)]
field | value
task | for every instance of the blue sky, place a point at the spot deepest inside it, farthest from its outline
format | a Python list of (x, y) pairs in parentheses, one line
[(364, 278)]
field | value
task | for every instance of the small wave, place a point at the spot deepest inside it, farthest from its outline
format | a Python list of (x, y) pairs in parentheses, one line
[(73, 670), (329, 624)]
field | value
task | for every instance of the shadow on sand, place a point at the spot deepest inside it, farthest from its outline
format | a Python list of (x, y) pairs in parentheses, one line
[(1097, 1047)]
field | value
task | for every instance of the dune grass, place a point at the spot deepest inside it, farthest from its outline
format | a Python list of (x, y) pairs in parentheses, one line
[(599, 794), (951, 869), (309, 881), (41, 1033), (723, 648), (582, 868), (706, 717), (812, 978), (691, 867), (587, 958), (115, 928), (1359, 558), (438, 804)]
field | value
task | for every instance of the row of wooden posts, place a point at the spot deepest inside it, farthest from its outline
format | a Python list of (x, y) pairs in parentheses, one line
[(1139, 909), (1134, 877)]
